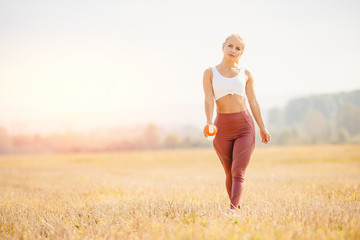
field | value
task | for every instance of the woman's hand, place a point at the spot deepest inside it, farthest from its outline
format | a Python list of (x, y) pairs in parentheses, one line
[(204, 130), (205, 127), (265, 136)]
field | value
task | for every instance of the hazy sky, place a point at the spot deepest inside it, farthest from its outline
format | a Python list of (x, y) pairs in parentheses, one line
[(81, 64)]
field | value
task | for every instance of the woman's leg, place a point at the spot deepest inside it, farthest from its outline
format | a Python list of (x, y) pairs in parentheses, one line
[(244, 146), (224, 150)]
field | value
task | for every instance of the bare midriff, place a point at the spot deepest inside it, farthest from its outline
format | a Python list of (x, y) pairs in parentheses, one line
[(231, 104)]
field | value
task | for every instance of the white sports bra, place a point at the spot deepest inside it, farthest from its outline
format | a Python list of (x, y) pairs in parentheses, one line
[(223, 86)]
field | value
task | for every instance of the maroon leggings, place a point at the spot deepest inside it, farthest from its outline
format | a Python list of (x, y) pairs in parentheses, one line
[(234, 143)]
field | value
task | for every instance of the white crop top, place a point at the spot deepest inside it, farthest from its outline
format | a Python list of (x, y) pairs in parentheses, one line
[(223, 86)]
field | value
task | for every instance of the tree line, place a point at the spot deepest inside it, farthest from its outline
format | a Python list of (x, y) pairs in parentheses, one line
[(150, 136), (325, 118)]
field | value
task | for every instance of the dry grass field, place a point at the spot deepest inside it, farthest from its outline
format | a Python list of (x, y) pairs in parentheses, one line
[(302, 192)]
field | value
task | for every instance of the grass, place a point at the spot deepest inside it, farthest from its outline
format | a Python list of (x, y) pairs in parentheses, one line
[(301, 192)]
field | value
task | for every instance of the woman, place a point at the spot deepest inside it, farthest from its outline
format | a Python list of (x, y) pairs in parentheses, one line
[(229, 85)]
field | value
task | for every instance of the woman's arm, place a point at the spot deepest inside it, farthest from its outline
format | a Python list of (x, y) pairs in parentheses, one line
[(255, 107), (209, 96)]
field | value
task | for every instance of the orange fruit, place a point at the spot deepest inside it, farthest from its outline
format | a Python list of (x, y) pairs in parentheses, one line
[(210, 130)]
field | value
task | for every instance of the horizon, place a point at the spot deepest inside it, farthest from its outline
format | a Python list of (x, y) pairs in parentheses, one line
[(168, 124)]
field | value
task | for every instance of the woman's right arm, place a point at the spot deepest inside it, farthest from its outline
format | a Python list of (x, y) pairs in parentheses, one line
[(209, 96)]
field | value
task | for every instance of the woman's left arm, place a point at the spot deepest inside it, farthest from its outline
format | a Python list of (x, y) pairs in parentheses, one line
[(255, 107)]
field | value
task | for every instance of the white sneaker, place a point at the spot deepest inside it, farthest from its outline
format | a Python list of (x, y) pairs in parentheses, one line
[(230, 213)]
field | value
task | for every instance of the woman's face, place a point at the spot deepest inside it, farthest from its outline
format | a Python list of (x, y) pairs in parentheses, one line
[(232, 49)]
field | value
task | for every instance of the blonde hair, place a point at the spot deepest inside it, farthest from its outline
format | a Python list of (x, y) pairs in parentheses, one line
[(235, 35)]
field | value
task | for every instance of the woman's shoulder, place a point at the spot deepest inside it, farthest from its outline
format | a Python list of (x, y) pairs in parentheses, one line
[(247, 72), (208, 71), (208, 74)]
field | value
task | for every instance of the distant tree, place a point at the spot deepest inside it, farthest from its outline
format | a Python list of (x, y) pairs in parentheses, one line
[(276, 117), (151, 136), (188, 141), (284, 137), (288, 137), (343, 135), (315, 125), (348, 117), (327, 104), (5, 141), (21, 140), (172, 140), (294, 111)]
